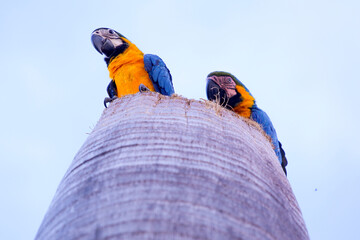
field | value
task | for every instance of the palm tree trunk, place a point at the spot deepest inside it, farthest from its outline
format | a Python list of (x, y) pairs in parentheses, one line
[(157, 167)]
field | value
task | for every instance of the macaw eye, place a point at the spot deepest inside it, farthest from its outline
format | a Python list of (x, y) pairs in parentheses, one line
[(228, 80), (111, 31)]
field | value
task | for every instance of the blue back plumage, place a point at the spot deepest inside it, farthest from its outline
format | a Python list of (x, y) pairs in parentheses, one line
[(263, 119), (159, 74)]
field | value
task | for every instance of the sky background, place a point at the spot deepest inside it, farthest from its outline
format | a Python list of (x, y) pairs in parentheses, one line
[(300, 60)]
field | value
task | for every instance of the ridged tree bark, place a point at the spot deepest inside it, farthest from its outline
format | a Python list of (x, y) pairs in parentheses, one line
[(157, 167)]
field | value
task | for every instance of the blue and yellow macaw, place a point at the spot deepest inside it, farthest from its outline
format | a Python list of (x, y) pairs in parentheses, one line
[(130, 70), (229, 92)]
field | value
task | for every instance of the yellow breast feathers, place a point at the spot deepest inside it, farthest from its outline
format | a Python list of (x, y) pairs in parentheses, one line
[(128, 71), (243, 108)]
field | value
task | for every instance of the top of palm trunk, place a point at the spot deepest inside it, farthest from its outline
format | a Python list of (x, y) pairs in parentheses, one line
[(158, 167)]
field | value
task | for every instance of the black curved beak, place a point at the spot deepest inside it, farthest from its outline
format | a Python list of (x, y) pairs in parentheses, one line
[(102, 45), (98, 42), (215, 93)]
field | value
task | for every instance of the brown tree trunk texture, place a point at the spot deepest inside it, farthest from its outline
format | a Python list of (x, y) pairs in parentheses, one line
[(158, 167)]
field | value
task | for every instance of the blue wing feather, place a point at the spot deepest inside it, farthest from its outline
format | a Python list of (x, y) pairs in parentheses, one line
[(159, 74)]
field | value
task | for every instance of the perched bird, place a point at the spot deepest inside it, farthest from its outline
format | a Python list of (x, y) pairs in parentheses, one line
[(130, 70), (229, 92)]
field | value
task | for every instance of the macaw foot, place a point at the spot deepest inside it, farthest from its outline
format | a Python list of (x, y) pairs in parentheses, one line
[(143, 88), (109, 100)]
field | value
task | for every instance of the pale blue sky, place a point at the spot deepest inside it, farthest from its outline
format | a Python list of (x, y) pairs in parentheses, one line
[(300, 59)]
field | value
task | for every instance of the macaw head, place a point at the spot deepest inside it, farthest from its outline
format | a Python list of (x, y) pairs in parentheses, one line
[(226, 89), (109, 42)]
